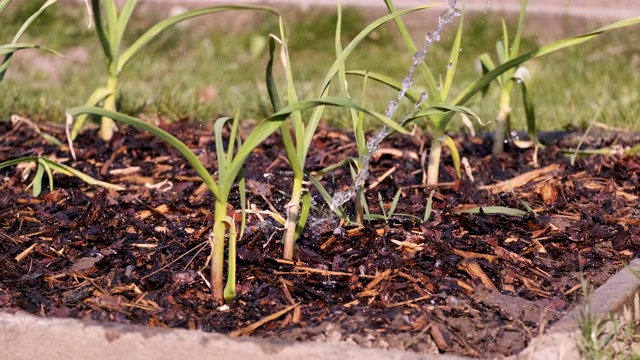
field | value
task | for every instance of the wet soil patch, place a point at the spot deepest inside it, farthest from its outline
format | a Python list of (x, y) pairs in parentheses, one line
[(472, 284)]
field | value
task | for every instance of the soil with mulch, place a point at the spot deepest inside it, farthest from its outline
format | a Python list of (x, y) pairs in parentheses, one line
[(471, 284)]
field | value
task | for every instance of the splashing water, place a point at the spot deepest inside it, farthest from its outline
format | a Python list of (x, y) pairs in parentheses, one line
[(373, 144)]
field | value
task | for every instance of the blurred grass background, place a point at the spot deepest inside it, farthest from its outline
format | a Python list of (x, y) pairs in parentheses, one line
[(214, 65)]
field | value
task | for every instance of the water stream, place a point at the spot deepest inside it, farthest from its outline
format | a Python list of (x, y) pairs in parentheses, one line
[(373, 144)]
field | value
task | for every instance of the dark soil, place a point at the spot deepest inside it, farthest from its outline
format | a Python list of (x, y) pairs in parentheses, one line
[(478, 285)]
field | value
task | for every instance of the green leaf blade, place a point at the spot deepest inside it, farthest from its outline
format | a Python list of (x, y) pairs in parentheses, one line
[(163, 25), (163, 135)]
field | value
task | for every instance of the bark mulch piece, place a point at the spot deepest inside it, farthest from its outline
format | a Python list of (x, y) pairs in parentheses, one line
[(471, 284)]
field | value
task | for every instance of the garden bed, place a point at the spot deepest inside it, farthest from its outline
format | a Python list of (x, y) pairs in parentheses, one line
[(479, 285)]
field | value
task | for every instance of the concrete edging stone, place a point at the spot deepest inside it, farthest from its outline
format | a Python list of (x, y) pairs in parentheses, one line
[(24, 336), (619, 296)]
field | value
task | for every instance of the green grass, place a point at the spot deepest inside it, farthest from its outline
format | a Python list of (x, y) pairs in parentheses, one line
[(567, 87), (615, 337)]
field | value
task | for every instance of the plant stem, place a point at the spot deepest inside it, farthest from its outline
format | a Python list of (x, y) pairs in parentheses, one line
[(107, 125), (292, 216), (217, 250), (433, 168), (230, 288), (502, 123), (359, 205)]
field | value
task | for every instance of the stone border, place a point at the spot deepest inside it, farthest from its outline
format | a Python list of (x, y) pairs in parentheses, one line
[(25, 336), (619, 296)]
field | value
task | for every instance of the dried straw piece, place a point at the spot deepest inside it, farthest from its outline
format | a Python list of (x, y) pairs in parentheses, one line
[(408, 302), (253, 327), (25, 253), (520, 180), (438, 338), (382, 177), (473, 269), (378, 279), (316, 271), (472, 255)]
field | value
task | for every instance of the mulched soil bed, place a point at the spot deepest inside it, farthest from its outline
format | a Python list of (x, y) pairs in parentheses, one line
[(477, 285)]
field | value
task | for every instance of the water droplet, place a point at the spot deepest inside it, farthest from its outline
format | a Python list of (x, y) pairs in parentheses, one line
[(373, 144), (329, 284), (519, 80), (438, 87), (449, 65)]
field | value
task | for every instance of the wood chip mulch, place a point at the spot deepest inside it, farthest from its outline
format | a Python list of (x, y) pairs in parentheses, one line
[(470, 284)]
